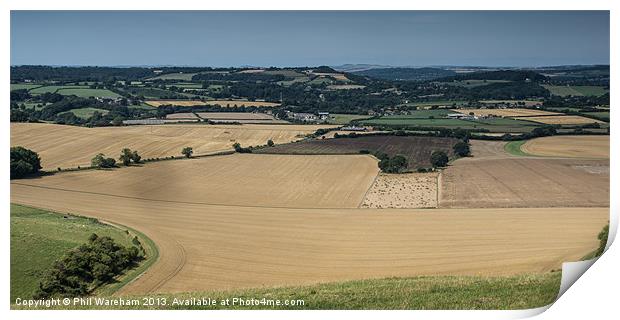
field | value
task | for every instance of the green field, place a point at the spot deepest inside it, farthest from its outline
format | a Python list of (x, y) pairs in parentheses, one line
[(52, 89), (39, 237), (35, 105), (564, 91), (175, 76), (599, 113), (187, 85), (420, 119), (473, 83), (156, 93), (418, 293), (87, 92), (514, 148), (27, 86), (345, 118), (86, 113)]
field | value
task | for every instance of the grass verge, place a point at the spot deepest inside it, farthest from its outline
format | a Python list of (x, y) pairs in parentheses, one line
[(417, 293)]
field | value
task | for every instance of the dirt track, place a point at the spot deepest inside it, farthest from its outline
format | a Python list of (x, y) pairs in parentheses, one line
[(70, 146)]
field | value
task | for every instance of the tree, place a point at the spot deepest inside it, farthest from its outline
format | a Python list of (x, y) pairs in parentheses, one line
[(439, 159), (24, 162), (125, 156), (397, 164), (187, 152), (270, 143), (602, 237), (100, 161), (461, 149), (135, 157)]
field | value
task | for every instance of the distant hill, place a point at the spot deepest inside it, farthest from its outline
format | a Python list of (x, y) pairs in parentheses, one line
[(358, 67), (419, 74), (510, 75)]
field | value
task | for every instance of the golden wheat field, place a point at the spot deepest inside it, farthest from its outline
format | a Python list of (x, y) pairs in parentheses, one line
[(212, 247), (569, 146), (237, 179), (70, 146), (222, 103), (561, 119)]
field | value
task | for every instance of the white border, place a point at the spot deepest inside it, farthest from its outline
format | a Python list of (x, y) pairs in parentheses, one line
[(594, 295)]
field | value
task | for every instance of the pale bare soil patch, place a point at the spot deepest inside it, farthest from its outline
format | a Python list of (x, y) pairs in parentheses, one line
[(205, 247), (345, 86), (240, 117), (569, 146), (512, 112), (70, 146), (490, 182), (561, 120), (182, 116), (410, 190), (221, 103)]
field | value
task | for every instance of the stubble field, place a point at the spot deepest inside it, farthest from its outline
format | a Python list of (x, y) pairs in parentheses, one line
[(569, 146), (205, 247), (69, 146)]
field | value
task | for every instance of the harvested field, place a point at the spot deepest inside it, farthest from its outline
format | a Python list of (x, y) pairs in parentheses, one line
[(513, 112), (527, 103), (562, 120), (69, 146), (524, 182), (240, 117), (205, 247), (238, 179), (221, 103), (569, 146), (411, 190), (182, 115), (417, 150)]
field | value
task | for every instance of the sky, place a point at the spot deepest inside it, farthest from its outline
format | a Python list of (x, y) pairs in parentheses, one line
[(309, 38)]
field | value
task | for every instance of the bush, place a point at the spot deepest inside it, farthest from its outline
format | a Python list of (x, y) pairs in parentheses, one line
[(461, 149), (602, 237), (100, 161), (187, 152), (240, 149), (439, 159), (24, 162), (270, 143), (83, 269)]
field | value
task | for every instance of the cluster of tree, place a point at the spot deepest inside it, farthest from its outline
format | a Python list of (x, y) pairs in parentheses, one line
[(507, 91), (509, 75), (72, 74), (408, 74), (395, 164), (238, 148), (87, 267), (439, 159), (20, 95), (24, 162), (127, 157), (100, 161), (461, 149)]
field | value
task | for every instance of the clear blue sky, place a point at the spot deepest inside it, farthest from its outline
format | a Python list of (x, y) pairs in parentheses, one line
[(285, 38)]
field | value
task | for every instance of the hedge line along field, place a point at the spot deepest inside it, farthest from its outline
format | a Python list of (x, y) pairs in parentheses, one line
[(417, 150), (239, 179), (569, 146), (513, 112), (39, 237), (215, 247), (222, 103), (69, 146)]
